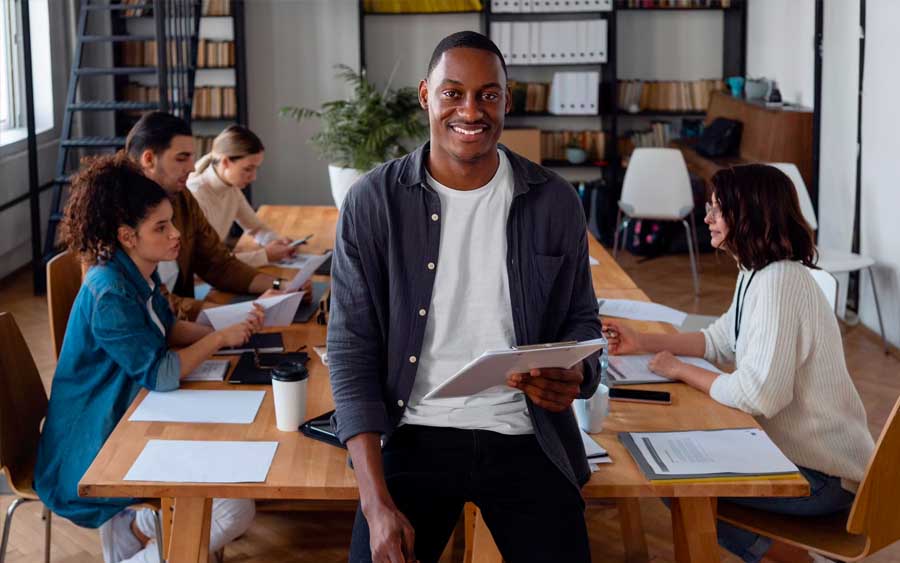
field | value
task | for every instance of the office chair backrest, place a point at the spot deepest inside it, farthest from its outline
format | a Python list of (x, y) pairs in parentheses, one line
[(657, 185), (876, 510), (23, 404), (64, 274)]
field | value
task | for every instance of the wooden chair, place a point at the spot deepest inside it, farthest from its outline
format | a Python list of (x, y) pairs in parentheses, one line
[(872, 523), (64, 274), (23, 406)]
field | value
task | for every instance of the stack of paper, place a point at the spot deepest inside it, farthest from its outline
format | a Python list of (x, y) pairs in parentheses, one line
[(279, 309), (707, 454), (196, 461), (630, 370), (195, 405), (640, 311), (210, 370), (595, 453)]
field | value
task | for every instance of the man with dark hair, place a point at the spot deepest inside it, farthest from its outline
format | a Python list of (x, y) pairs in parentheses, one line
[(458, 248), (163, 146)]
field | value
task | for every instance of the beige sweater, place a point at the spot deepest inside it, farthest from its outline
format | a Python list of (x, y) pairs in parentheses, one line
[(790, 373), (224, 204)]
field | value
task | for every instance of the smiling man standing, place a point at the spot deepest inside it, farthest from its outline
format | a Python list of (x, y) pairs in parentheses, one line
[(458, 248)]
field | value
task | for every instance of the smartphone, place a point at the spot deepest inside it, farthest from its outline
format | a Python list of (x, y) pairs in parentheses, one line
[(300, 241), (640, 396)]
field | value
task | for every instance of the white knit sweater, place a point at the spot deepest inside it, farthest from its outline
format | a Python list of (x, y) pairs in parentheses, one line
[(790, 372), (224, 204)]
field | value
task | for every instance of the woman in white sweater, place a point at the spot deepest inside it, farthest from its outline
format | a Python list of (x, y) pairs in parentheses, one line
[(783, 338), (217, 181)]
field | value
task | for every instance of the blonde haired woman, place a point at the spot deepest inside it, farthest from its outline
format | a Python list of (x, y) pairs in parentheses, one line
[(217, 181)]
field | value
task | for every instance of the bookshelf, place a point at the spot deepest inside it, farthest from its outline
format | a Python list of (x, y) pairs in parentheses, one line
[(219, 78)]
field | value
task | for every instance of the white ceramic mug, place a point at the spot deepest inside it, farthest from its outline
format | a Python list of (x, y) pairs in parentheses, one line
[(289, 392), (590, 413)]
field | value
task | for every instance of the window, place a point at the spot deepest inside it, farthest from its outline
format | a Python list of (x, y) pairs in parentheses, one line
[(12, 93)]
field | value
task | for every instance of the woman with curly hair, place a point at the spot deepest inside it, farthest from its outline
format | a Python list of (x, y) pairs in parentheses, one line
[(120, 338), (782, 336)]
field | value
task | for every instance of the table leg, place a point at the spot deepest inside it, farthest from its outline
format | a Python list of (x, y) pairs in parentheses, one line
[(483, 548), (190, 530), (694, 530), (632, 530), (166, 510)]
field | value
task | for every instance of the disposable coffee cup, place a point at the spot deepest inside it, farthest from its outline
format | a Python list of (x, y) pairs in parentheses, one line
[(590, 413), (289, 391)]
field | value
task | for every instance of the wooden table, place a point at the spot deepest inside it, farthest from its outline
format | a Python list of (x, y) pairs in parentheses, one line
[(307, 469)]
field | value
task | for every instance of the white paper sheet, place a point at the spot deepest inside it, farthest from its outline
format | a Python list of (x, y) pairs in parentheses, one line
[(196, 461), (280, 310), (593, 261), (196, 405), (209, 370), (741, 450), (309, 267), (640, 311), (593, 448), (633, 369), (491, 368)]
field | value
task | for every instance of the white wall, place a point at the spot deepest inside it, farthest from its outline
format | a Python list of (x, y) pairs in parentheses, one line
[(780, 46), (292, 48), (837, 165), (880, 229)]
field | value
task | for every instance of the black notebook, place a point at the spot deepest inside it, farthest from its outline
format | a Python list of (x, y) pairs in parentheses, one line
[(325, 268), (261, 342), (247, 372), (320, 428)]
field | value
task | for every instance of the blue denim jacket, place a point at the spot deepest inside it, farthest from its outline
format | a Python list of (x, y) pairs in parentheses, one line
[(112, 348), (389, 232)]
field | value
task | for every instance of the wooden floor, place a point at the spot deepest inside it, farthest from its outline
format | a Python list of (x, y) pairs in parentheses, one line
[(324, 537)]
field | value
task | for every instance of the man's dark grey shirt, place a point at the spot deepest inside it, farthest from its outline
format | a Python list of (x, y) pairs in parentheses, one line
[(383, 270)]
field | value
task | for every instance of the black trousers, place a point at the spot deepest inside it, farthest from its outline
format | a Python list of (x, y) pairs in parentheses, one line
[(534, 513)]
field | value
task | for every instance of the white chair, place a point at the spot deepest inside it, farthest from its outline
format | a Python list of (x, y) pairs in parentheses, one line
[(657, 187), (832, 260)]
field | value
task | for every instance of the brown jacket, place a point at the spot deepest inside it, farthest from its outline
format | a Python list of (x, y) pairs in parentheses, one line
[(202, 253)]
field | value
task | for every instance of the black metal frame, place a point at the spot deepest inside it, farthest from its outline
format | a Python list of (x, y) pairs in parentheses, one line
[(33, 188), (855, 277), (817, 104)]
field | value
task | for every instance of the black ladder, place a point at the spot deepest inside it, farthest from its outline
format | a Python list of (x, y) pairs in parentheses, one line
[(176, 25)]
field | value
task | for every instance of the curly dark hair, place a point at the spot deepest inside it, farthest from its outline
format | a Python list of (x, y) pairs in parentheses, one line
[(107, 192), (760, 206)]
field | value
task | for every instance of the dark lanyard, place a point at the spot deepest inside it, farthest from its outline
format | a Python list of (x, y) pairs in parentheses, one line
[(738, 309)]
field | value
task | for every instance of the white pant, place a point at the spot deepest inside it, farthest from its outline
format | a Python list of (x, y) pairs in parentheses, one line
[(230, 519)]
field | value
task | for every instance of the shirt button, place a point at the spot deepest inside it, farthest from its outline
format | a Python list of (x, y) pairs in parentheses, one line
[(434, 217), (431, 265), (422, 312), (400, 403), (412, 359)]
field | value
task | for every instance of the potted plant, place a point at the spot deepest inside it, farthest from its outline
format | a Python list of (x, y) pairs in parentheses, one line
[(364, 130), (575, 153)]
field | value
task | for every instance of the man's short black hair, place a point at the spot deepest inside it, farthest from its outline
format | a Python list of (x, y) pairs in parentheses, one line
[(468, 40), (155, 131)]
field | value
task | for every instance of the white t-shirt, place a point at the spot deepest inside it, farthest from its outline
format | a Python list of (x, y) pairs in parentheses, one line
[(470, 310)]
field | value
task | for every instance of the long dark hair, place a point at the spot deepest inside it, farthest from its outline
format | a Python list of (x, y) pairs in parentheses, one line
[(760, 206), (107, 192)]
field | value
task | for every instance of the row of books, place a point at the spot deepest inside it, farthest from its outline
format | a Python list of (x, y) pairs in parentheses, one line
[(215, 54), (420, 6), (638, 95), (529, 97), (658, 135), (551, 42), (554, 144), (674, 3), (135, 12), (143, 53), (216, 8), (544, 6), (134, 92), (202, 145), (215, 102)]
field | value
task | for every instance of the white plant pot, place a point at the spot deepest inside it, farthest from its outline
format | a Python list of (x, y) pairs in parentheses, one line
[(341, 180)]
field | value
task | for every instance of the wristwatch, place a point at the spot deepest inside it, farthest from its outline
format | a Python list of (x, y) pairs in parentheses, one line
[(276, 284)]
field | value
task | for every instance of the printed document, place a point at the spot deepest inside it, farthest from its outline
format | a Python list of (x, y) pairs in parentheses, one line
[(197, 405), (209, 370), (702, 452), (491, 368), (198, 461), (625, 370), (280, 311), (640, 311), (308, 265)]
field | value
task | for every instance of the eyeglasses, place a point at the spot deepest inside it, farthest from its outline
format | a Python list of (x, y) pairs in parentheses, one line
[(713, 210)]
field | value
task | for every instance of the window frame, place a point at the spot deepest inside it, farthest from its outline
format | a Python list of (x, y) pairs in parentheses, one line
[(14, 94)]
